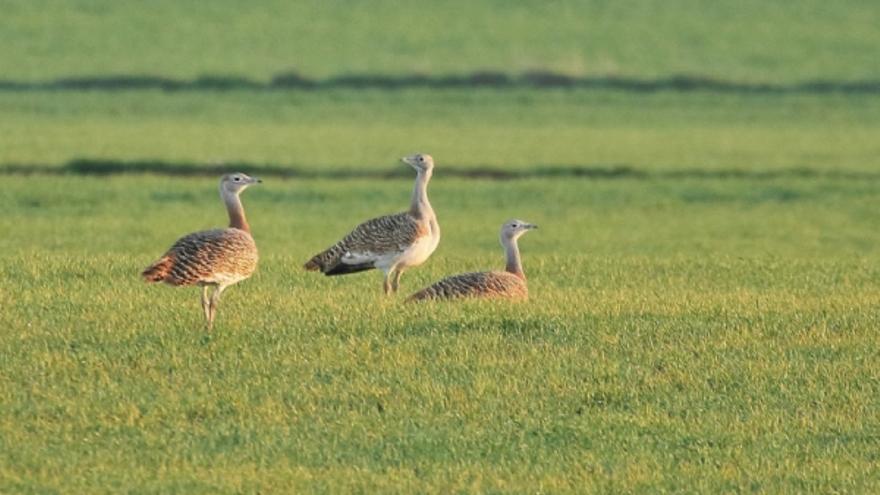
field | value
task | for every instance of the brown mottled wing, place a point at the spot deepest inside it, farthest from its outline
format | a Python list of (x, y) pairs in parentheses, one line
[(370, 241), (210, 256), (481, 284)]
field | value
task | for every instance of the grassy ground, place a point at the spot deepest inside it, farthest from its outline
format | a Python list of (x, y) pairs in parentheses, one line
[(703, 321), (516, 130), (749, 40), (696, 334)]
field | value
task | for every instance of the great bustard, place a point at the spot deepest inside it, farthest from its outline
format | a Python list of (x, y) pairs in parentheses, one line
[(214, 258), (510, 283), (391, 243)]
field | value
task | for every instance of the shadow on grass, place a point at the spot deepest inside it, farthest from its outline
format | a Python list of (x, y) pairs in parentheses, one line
[(478, 79), (91, 167)]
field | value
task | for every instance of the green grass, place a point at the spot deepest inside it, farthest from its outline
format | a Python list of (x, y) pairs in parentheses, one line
[(514, 130), (704, 323), (750, 40), (685, 335)]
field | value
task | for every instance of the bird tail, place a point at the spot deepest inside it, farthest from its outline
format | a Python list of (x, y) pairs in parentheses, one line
[(158, 271), (421, 295), (319, 263), (325, 260), (313, 264), (343, 269)]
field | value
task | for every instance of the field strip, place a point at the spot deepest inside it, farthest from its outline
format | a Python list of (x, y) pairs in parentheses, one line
[(93, 167), (476, 79)]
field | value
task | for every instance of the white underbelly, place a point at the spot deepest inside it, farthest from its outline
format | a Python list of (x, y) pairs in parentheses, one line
[(419, 252), (225, 278)]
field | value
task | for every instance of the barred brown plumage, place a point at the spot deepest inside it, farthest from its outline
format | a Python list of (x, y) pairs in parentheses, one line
[(214, 258), (205, 256), (383, 234), (391, 243), (509, 284), (477, 284)]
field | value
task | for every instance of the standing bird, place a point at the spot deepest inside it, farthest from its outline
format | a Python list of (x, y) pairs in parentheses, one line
[(510, 283), (391, 243), (214, 258)]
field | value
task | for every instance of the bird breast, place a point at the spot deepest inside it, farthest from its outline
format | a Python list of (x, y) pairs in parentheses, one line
[(422, 249)]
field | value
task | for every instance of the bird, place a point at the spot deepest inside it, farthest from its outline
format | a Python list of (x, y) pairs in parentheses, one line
[(214, 258), (391, 243), (510, 283)]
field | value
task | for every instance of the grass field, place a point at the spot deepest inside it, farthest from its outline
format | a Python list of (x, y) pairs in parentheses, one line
[(749, 40), (497, 130), (692, 334), (705, 282)]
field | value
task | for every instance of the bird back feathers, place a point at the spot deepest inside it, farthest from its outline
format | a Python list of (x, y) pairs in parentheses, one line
[(205, 256), (477, 284), (374, 238)]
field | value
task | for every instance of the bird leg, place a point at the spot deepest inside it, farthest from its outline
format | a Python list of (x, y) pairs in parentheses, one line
[(386, 284), (215, 300), (395, 282), (206, 303)]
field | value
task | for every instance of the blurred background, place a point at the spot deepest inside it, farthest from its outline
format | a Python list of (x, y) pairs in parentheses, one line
[(557, 87)]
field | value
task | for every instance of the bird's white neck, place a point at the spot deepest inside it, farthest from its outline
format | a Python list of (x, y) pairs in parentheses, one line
[(237, 220), (511, 251), (420, 207)]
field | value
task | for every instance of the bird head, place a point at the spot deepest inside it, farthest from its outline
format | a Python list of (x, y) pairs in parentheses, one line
[(513, 229), (237, 182), (420, 161)]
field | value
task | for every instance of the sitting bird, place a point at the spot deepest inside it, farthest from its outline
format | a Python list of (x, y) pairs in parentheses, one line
[(391, 243), (214, 258), (510, 283)]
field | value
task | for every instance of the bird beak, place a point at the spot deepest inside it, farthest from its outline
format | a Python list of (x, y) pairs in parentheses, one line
[(531, 226), (407, 160), (256, 180)]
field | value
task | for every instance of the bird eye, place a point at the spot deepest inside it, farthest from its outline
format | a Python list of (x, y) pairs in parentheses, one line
[(421, 158), (514, 225), (237, 179)]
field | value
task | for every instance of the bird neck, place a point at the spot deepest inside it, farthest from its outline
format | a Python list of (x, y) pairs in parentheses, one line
[(514, 263), (237, 220), (420, 206)]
